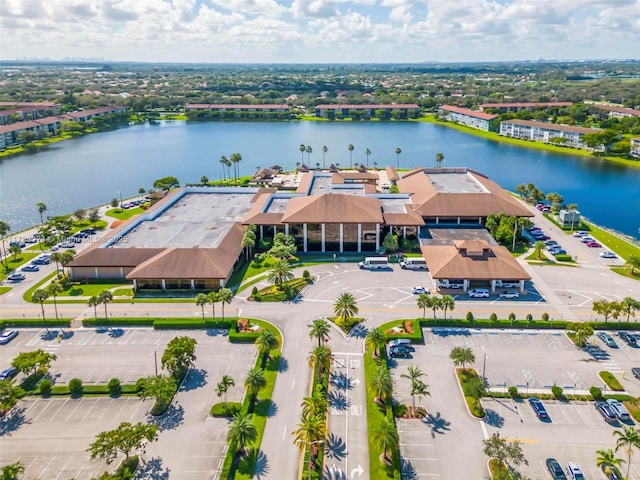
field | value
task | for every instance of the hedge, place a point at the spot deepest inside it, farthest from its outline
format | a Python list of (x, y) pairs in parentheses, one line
[(35, 322), (98, 390), (228, 409), (611, 381), (415, 337)]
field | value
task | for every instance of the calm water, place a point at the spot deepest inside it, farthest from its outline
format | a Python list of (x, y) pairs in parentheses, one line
[(91, 170)]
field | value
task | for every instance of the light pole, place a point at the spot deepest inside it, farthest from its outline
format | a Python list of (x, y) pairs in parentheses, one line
[(484, 366), (120, 193), (155, 359)]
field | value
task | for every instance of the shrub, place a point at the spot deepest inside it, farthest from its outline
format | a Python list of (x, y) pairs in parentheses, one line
[(254, 292), (596, 393), (114, 387), (469, 317), (557, 392), (611, 381), (493, 317), (75, 386), (512, 317), (399, 410), (545, 316), (306, 275), (228, 409), (513, 391), (45, 386), (529, 317), (563, 258)]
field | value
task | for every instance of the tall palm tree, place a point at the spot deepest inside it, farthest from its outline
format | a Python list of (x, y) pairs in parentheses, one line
[(242, 432), (248, 242), (324, 152), (105, 296), (266, 342), (424, 302), (320, 360), (255, 381), (628, 439), (608, 460), (53, 289), (280, 273), (213, 297), (236, 158), (5, 228), (310, 429), (398, 152), (302, 148), (141, 192), (462, 356), (447, 302), (367, 152), (39, 296), (436, 304), (201, 301), (320, 329), (66, 258), (420, 389), (345, 307), (377, 339), (439, 159), (413, 374), (630, 306), (537, 248), (315, 405), (57, 258), (381, 385), (350, 148), (309, 152), (94, 302), (227, 382), (385, 435), (223, 162), (42, 207), (225, 295)]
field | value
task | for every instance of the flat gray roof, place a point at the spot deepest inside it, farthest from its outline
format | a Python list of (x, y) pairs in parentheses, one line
[(446, 236), (195, 220), (456, 183), (278, 204), (394, 205)]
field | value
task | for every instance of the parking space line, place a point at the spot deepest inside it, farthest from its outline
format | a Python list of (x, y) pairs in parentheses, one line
[(64, 468), (73, 411), (49, 403), (89, 411), (46, 468)]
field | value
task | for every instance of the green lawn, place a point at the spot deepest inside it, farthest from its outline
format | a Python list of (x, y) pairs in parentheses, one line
[(28, 294), (627, 273), (15, 264), (4, 290), (124, 214), (615, 243), (90, 289)]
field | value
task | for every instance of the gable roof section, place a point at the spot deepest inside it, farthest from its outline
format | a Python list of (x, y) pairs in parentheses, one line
[(448, 262), (114, 257), (335, 208)]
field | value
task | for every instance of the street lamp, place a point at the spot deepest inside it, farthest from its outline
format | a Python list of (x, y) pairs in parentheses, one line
[(120, 193), (484, 366)]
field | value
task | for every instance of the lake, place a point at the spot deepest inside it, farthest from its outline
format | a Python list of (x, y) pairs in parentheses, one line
[(91, 170)]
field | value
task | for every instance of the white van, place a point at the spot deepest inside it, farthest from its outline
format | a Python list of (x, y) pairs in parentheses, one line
[(414, 264), (450, 283), (374, 263)]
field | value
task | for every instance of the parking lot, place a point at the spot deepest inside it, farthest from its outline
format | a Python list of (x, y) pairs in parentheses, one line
[(53, 434)]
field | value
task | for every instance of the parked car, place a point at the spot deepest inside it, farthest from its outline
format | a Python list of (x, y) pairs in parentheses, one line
[(509, 294), (418, 290), (16, 277), (17, 244), (538, 408), (627, 337), (31, 268), (43, 260), (607, 412), (555, 469), (580, 233), (533, 229), (66, 245), (478, 293), (636, 372), (401, 342), (7, 336), (559, 251), (550, 243), (541, 237), (574, 471), (587, 238), (400, 352), (594, 245), (608, 254), (607, 339), (611, 473), (8, 373), (619, 409)]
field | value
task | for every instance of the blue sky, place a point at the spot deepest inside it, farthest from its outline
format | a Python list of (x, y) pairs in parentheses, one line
[(303, 31)]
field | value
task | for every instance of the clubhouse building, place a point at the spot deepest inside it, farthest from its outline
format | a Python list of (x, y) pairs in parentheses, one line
[(192, 239)]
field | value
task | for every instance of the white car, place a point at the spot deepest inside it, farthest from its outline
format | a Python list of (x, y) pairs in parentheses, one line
[(478, 293), (608, 254), (419, 290), (574, 471), (587, 239), (581, 233), (509, 294)]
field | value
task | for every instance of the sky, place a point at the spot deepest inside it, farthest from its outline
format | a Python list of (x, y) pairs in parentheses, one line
[(319, 31)]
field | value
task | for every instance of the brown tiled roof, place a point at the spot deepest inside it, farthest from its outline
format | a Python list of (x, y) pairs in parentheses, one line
[(494, 263), (392, 174), (355, 176), (467, 112), (256, 216), (334, 208), (410, 218), (305, 183), (114, 257), (614, 108)]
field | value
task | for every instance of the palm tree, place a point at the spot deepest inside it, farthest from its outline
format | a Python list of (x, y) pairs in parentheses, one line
[(225, 295), (4, 229), (302, 149), (608, 460), (345, 307), (630, 306), (236, 158), (320, 359), (537, 248), (280, 273), (381, 385), (521, 190), (105, 296), (213, 297), (385, 435), (57, 258), (324, 152), (39, 296), (377, 339), (227, 382), (248, 241), (420, 389), (266, 342), (439, 159), (424, 302), (201, 301), (11, 472), (350, 148), (447, 302), (141, 192), (633, 263), (320, 329), (311, 429), (398, 152), (204, 180), (242, 432), (53, 289), (315, 405), (255, 381), (462, 356), (367, 152), (66, 258), (436, 303), (228, 164), (414, 374), (628, 438), (94, 302), (309, 152), (223, 162), (42, 207)]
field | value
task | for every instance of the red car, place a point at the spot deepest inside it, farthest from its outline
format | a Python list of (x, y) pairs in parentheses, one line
[(593, 245)]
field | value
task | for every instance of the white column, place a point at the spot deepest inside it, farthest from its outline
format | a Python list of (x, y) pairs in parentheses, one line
[(322, 242), (261, 231), (437, 220), (164, 285), (341, 237), (193, 284), (458, 220), (493, 286), (377, 236), (97, 272), (521, 286), (286, 229), (135, 285), (404, 232), (304, 237), (359, 237), (121, 272), (465, 285)]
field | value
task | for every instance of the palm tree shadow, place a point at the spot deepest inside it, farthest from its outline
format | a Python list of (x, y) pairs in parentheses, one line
[(408, 471), (493, 418), (152, 470), (338, 400), (255, 464), (13, 421), (340, 381), (335, 447), (172, 419), (359, 331), (277, 364), (196, 378), (437, 423)]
